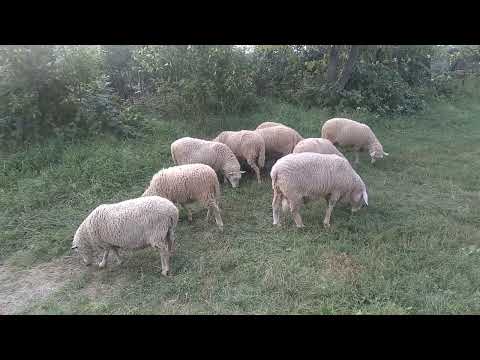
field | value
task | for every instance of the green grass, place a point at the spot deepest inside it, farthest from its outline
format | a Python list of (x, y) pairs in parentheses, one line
[(413, 251)]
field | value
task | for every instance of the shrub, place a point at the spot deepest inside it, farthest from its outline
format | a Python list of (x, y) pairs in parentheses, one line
[(194, 81), (380, 89), (54, 91)]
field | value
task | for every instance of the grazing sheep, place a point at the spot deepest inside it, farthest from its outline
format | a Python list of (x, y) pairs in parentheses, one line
[(189, 150), (185, 184), (246, 145), (349, 133), (317, 145), (131, 224), (269, 124), (279, 140), (309, 176)]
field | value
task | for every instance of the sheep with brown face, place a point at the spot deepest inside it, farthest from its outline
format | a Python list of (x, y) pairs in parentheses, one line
[(218, 156), (350, 133), (317, 145), (131, 224), (186, 184), (297, 178), (246, 145)]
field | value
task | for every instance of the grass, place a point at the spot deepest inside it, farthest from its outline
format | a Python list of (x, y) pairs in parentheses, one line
[(414, 251)]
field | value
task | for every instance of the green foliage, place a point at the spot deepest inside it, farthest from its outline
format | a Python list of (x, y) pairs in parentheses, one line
[(194, 81), (119, 67), (71, 92), (380, 89), (385, 80), (54, 91)]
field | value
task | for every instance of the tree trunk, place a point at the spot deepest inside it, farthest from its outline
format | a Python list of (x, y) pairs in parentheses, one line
[(332, 69), (353, 57)]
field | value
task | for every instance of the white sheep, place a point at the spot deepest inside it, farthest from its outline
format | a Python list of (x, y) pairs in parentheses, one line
[(185, 184), (218, 156), (350, 133), (131, 224), (298, 178), (269, 124), (279, 140), (317, 145), (246, 145)]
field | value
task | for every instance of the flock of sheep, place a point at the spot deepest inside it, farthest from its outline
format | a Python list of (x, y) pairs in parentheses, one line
[(303, 170)]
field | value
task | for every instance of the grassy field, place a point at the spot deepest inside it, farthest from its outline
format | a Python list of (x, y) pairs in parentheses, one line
[(415, 250)]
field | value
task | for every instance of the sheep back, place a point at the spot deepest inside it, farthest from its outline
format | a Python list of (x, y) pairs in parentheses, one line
[(185, 183), (317, 145), (132, 224), (245, 144), (217, 155), (348, 133), (279, 140), (269, 124), (312, 176)]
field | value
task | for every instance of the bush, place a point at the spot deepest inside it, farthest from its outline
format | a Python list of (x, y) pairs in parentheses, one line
[(194, 81), (380, 89), (54, 91)]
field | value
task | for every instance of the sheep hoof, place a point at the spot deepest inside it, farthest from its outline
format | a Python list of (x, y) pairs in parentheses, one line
[(166, 273), (326, 225), (102, 265)]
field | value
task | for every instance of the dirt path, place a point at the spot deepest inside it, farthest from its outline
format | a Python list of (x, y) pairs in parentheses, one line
[(20, 288)]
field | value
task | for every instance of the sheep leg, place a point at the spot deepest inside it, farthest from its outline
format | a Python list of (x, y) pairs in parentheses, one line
[(171, 241), (331, 203), (216, 212), (117, 255), (276, 206), (294, 208), (164, 258), (189, 213), (103, 263), (256, 169), (357, 159), (187, 209)]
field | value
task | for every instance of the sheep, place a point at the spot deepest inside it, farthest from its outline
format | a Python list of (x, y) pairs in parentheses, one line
[(350, 133), (131, 224), (246, 145), (309, 176), (279, 140), (185, 184), (269, 124), (189, 150), (317, 145)]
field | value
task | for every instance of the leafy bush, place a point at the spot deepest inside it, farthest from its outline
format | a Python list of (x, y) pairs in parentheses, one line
[(54, 91), (193, 81), (70, 92), (380, 89)]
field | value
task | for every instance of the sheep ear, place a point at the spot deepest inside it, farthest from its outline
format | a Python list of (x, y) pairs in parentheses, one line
[(386, 154), (242, 172), (365, 197), (74, 247)]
